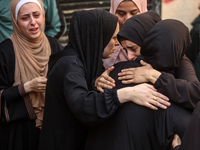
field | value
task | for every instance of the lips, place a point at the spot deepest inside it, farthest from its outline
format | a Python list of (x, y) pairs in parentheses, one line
[(34, 30)]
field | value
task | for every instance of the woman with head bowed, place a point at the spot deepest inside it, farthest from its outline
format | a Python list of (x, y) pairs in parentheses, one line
[(73, 105), (163, 46), (123, 9), (24, 58)]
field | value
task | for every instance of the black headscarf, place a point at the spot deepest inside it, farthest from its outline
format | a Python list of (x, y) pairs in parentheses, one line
[(90, 32), (165, 44), (136, 27)]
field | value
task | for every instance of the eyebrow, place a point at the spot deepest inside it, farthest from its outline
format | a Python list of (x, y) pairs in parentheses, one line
[(28, 14), (131, 46), (118, 10)]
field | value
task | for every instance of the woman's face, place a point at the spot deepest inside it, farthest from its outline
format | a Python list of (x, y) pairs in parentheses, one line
[(111, 46), (30, 20), (132, 49), (126, 10)]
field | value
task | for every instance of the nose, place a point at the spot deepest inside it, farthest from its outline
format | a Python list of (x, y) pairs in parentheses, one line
[(116, 43), (131, 56), (128, 16), (33, 22)]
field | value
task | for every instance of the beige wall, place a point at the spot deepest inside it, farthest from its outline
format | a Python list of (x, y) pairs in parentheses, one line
[(183, 10)]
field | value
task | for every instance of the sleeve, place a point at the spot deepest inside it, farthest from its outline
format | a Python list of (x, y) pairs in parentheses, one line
[(55, 19), (191, 136), (184, 89), (14, 102), (87, 105)]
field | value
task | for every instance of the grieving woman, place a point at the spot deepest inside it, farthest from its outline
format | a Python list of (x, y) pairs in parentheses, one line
[(71, 104), (24, 58)]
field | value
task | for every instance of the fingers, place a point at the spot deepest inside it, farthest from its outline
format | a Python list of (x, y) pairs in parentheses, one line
[(100, 89), (143, 63), (161, 96), (149, 105), (38, 84), (110, 69), (41, 80), (106, 82), (159, 102), (126, 74)]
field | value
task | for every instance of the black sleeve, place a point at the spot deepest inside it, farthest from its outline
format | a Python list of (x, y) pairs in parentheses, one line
[(184, 89), (87, 105), (190, 139), (15, 104)]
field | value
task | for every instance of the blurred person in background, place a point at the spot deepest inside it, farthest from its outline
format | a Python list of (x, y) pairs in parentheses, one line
[(194, 51)]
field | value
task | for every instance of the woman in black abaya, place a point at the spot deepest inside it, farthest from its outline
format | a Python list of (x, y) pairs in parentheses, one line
[(70, 104), (136, 127)]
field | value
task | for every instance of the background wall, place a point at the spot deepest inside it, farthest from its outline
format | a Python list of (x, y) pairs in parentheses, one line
[(183, 10)]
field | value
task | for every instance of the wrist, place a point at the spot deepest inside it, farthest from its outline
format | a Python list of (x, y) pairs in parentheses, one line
[(153, 76), (27, 88), (122, 95)]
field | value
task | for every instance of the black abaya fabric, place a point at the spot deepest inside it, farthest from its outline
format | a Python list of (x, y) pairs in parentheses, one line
[(70, 107), (186, 82), (192, 134), (89, 37), (136, 127), (165, 44), (20, 133)]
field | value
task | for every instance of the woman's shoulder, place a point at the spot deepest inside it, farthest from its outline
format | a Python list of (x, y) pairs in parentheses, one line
[(55, 44), (6, 47), (7, 43), (67, 59)]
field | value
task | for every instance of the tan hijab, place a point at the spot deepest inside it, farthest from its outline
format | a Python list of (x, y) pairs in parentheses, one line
[(32, 58)]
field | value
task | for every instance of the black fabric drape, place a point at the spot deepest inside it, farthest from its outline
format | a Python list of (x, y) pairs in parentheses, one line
[(137, 26), (70, 106), (89, 34), (165, 44)]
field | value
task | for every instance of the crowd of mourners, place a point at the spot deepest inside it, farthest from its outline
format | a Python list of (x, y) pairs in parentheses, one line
[(126, 80)]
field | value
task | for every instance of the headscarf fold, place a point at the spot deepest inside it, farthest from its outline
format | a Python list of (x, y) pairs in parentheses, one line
[(90, 32), (165, 44), (31, 59), (136, 27), (120, 54), (141, 4)]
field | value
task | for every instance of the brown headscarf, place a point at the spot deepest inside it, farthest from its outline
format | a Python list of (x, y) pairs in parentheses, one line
[(31, 59)]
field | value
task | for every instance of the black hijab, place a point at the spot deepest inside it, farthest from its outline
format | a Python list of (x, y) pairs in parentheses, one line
[(165, 44), (90, 32), (136, 27)]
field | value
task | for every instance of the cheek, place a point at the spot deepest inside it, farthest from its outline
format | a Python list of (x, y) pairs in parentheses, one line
[(23, 26), (112, 44), (121, 21)]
